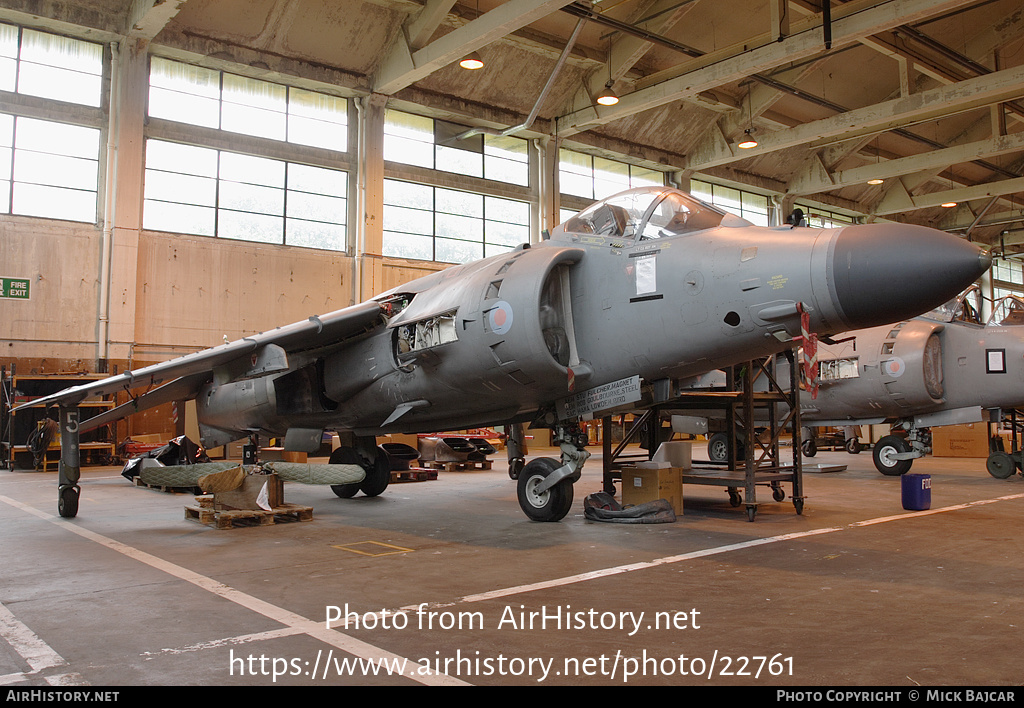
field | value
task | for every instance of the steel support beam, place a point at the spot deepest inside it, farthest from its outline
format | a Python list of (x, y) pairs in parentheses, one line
[(851, 22)]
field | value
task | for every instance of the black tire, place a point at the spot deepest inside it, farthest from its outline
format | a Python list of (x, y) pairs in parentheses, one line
[(718, 447), (378, 477), (550, 505), (1000, 465), (808, 447), (884, 449), (378, 473), (67, 501), (778, 494), (515, 467), (853, 446), (345, 491)]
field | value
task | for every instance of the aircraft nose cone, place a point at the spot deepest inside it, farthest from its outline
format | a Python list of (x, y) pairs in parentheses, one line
[(888, 272)]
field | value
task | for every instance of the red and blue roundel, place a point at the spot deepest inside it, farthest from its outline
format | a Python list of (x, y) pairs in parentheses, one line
[(500, 318), (894, 367)]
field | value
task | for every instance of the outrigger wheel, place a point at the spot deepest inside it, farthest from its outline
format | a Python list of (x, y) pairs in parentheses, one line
[(515, 467), (67, 500), (378, 472), (1000, 465)]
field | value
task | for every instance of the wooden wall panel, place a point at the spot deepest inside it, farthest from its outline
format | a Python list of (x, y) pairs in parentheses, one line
[(193, 291)]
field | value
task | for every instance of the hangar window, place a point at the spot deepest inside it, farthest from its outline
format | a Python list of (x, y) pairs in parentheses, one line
[(1008, 271), (49, 66), (209, 192), (593, 177), (823, 218), (434, 144), (238, 104), (438, 224), (748, 205), (48, 169)]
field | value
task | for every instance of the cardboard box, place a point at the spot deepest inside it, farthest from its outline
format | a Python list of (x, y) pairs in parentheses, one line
[(967, 440), (274, 454), (650, 481)]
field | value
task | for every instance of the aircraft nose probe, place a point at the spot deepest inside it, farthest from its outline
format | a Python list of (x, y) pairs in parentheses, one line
[(912, 269)]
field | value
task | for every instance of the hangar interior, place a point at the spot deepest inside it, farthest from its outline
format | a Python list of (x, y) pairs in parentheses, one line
[(178, 173)]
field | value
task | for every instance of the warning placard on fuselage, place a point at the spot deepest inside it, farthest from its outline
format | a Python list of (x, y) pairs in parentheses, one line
[(600, 398)]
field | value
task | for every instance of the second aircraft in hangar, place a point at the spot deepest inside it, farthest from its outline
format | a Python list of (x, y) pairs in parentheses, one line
[(943, 368)]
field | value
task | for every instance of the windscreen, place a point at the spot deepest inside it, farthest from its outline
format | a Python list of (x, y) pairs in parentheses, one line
[(648, 213)]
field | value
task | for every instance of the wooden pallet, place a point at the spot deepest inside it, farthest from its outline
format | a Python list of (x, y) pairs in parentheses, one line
[(204, 513), (137, 481), (413, 474), (456, 466)]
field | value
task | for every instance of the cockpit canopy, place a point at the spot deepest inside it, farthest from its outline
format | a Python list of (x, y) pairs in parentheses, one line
[(965, 307), (647, 213), (1007, 312)]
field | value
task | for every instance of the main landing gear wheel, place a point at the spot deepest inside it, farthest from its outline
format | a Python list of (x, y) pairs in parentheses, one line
[(378, 473), (1000, 465), (548, 505), (67, 501), (884, 456)]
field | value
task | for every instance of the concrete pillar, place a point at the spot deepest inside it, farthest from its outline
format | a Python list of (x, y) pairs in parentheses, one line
[(368, 241), (123, 214)]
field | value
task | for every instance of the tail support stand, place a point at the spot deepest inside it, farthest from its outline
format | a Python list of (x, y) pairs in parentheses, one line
[(69, 471)]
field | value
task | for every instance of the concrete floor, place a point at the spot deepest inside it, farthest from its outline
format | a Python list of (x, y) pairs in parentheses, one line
[(854, 592)]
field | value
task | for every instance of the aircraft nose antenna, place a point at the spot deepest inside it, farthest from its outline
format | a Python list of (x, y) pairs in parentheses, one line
[(888, 272)]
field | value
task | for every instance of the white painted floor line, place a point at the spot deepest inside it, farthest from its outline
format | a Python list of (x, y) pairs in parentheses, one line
[(229, 641), (37, 654), (617, 570), (22, 638), (316, 629)]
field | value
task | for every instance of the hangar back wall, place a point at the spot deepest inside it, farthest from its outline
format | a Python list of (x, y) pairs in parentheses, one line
[(169, 293)]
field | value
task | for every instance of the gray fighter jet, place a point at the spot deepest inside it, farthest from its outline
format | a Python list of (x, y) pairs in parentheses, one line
[(646, 286), (944, 368)]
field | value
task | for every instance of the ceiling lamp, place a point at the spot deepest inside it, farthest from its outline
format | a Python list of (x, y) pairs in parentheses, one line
[(472, 61), (876, 180), (748, 134), (948, 205), (608, 97)]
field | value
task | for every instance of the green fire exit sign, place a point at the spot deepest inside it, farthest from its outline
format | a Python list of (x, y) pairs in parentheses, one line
[(16, 288)]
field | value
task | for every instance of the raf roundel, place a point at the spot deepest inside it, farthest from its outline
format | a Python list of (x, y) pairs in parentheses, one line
[(500, 318), (894, 367)]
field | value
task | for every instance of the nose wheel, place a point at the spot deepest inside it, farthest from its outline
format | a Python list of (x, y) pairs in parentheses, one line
[(551, 504), (885, 456)]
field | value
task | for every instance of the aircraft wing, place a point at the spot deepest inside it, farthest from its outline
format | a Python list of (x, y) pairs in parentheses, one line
[(256, 355)]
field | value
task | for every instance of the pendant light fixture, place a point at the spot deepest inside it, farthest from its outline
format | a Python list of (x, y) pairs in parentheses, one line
[(748, 140), (473, 60), (607, 97)]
